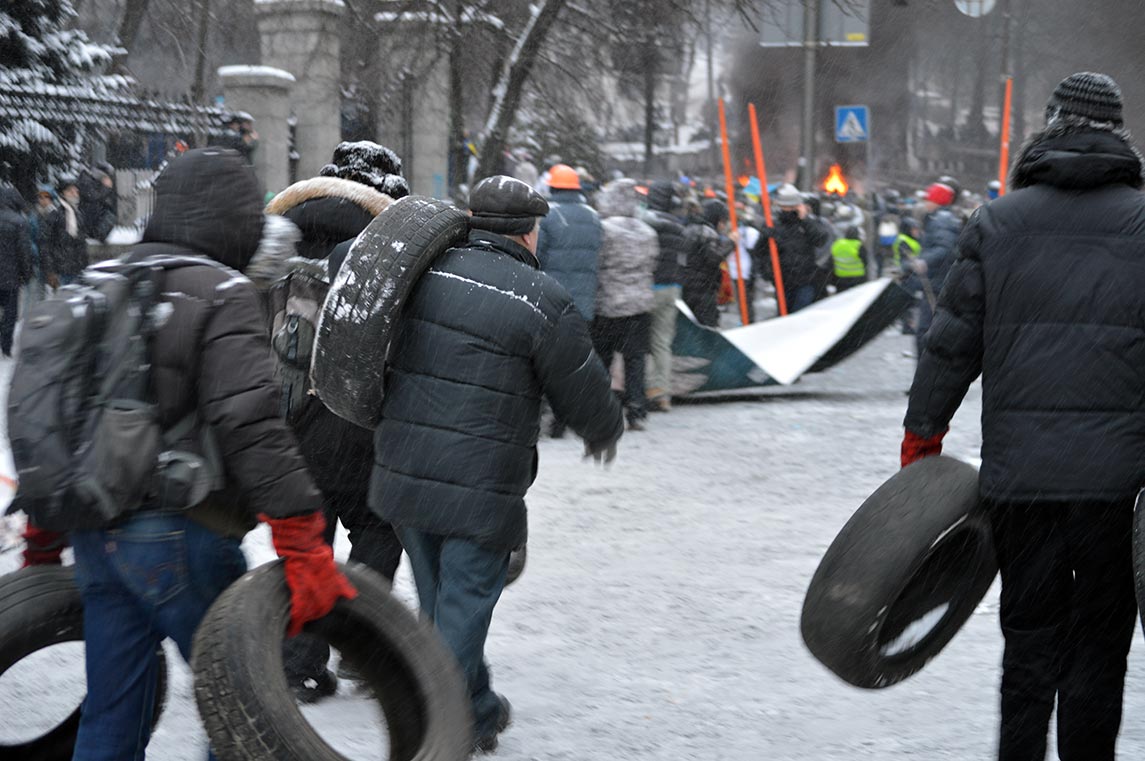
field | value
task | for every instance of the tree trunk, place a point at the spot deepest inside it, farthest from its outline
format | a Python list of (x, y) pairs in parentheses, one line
[(458, 160), (199, 86), (511, 83), (649, 103), (134, 12)]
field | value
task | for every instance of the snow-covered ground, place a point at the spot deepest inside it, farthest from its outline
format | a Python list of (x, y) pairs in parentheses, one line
[(658, 616)]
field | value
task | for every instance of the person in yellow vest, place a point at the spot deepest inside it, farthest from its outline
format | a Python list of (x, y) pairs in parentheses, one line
[(906, 246), (850, 256)]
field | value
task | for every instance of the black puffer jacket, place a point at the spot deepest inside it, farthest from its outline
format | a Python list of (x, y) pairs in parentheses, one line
[(64, 253), (702, 275), (1045, 301), (674, 246), (484, 336), (213, 352), (15, 240), (797, 241), (329, 211)]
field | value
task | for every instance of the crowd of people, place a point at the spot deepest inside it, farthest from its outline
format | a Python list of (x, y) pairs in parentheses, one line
[(555, 276)]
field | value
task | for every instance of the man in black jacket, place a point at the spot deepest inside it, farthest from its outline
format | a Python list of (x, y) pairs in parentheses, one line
[(668, 279), (64, 255), (483, 337), (797, 238), (1044, 301), (15, 261)]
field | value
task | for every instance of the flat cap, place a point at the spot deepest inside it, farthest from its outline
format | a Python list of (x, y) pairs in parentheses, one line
[(505, 205)]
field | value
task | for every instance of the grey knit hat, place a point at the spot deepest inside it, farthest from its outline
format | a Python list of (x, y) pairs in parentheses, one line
[(787, 196), (1092, 97)]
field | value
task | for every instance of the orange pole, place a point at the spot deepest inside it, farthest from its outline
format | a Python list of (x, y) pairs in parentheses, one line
[(1004, 163), (732, 208), (765, 197)]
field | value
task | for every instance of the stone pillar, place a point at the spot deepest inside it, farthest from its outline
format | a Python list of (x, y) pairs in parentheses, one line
[(264, 93), (416, 125), (301, 36)]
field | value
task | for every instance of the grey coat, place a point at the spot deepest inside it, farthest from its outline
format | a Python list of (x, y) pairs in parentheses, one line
[(628, 254)]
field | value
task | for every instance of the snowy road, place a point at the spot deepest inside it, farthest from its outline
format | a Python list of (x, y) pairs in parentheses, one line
[(658, 617)]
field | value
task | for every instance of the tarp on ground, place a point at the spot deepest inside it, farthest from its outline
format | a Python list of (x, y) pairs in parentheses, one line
[(780, 350)]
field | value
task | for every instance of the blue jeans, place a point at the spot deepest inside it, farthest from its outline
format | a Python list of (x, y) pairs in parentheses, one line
[(800, 298), (151, 578), (458, 585)]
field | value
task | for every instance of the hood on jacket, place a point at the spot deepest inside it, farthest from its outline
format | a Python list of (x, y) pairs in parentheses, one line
[(11, 199), (208, 200), (276, 252), (327, 211), (662, 196), (619, 199), (1075, 156)]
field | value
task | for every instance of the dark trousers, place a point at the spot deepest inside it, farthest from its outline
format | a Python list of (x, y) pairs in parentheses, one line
[(627, 336), (10, 306), (373, 543), (1068, 613), (799, 298), (847, 283), (458, 585)]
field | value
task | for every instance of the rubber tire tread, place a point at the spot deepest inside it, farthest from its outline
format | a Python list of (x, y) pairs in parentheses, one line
[(1139, 553), (40, 606), (365, 302), (250, 713), (874, 558)]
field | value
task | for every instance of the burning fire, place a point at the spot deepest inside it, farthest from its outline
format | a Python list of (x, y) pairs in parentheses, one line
[(835, 182)]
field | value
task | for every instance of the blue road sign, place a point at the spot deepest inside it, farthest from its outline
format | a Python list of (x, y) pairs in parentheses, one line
[(852, 124)]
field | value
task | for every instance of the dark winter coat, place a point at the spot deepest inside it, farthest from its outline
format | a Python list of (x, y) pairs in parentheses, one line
[(628, 253), (213, 352), (1045, 301), (63, 254), (673, 246), (708, 249), (15, 240), (483, 337), (328, 211), (98, 206), (798, 242), (569, 245), (940, 231)]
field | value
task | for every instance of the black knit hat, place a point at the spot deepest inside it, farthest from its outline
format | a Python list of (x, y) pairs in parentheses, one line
[(505, 205), (1094, 97), (369, 164)]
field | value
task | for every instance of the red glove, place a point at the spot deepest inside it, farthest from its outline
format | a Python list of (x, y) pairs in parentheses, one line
[(44, 547), (915, 447), (315, 582)]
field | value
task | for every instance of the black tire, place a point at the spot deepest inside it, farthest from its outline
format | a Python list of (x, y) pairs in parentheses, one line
[(919, 543), (1139, 553), (366, 300), (517, 560), (249, 711), (40, 607)]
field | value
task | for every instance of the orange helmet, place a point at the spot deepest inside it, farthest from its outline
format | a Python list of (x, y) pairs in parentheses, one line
[(563, 177)]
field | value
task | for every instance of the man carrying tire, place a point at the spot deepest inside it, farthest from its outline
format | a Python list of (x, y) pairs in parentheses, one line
[(484, 336), (154, 574), (1044, 302)]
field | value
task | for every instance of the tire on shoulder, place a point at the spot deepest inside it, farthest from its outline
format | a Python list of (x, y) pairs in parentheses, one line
[(902, 576), (366, 300), (249, 711), (41, 606)]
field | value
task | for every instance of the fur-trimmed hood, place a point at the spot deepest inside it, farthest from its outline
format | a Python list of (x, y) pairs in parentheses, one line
[(1075, 155), (327, 211)]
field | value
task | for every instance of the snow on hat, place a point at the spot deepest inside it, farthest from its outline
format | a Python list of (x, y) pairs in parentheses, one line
[(370, 164), (787, 195), (941, 194), (505, 205), (1091, 96)]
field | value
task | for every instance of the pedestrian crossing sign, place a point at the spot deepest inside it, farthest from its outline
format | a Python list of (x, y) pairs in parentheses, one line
[(852, 124)]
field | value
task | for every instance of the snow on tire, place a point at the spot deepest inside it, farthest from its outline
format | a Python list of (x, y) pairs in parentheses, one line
[(366, 300), (249, 711), (40, 607), (902, 577), (1139, 552)]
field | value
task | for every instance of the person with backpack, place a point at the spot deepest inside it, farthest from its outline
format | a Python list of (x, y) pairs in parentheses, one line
[(363, 179), (152, 567), (15, 262)]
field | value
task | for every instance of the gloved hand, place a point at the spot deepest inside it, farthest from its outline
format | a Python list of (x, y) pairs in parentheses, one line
[(44, 547), (315, 582), (915, 447), (604, 452)]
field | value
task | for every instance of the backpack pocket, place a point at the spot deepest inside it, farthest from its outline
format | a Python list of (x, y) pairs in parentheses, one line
[(119, 471)]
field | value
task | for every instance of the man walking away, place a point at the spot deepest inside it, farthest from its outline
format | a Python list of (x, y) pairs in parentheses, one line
[(1044, 302), (15, 262), (624, 297), (708, 244), (941, 228), (796, 238), (483, 337), (668, 279), (850, 257)]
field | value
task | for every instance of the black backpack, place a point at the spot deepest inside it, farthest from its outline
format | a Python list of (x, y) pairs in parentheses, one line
[(82, 419), (295, 303)]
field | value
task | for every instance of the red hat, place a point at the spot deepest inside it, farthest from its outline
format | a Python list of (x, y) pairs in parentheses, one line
[(941, 194)]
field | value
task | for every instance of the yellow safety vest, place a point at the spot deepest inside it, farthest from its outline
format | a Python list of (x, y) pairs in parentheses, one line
[(848, 261), (910, 242)]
